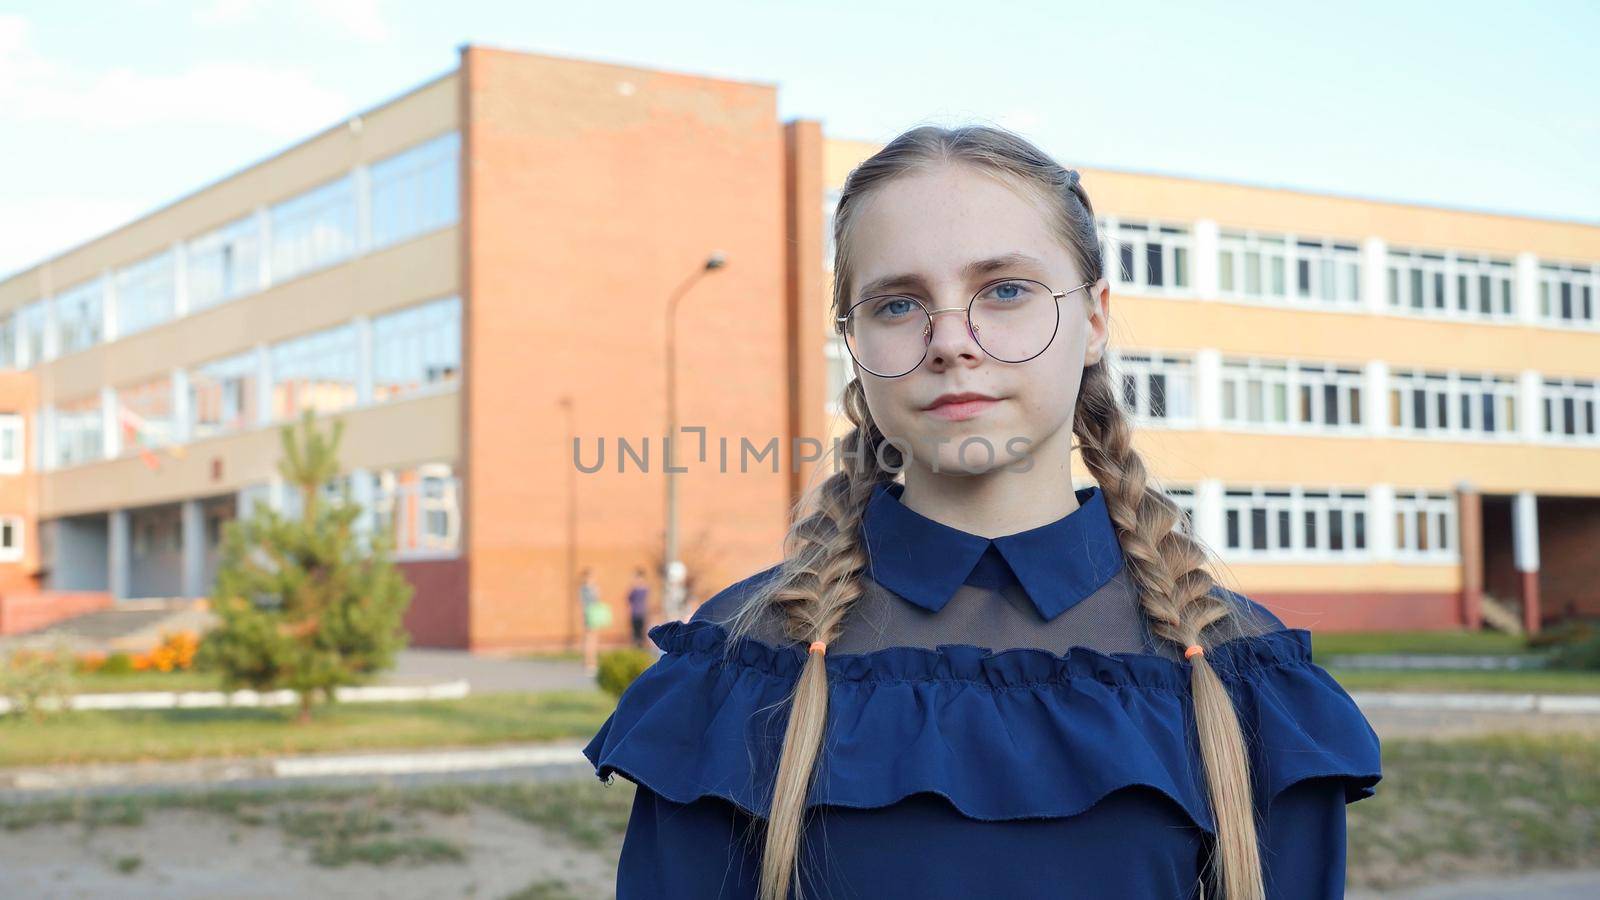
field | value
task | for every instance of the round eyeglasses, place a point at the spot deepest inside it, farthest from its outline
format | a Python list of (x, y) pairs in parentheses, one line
[(1013, 320)]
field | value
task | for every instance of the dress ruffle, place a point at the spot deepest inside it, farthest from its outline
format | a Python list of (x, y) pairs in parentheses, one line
[(1018, 733)]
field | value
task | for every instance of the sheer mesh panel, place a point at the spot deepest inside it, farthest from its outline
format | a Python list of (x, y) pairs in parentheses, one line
[(999, 618)]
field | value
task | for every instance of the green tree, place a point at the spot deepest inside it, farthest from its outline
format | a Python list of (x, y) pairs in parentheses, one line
[(301, 603)]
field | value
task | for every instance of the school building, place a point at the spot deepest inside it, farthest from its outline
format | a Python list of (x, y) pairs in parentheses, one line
[(1382, 415)]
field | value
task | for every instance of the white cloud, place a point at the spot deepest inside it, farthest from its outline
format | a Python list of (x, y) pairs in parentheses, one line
[(37, 228), (359, 19), (270, 100)]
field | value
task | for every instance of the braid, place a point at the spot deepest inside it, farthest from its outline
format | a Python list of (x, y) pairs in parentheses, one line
[(1176, 593), (814, 590)]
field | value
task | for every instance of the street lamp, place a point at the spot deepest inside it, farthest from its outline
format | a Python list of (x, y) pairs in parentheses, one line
[(673, 574)]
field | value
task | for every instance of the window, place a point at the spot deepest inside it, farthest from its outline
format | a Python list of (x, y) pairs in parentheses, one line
[(1453, 404), (1289, 267), (830, 209), (1147, 255), (80, 431), (1184, 499), (1424, 526), (316, 371), (1445, 283), (145, 417), (224, 263), (416, 348), (415, 191), (33, 321), (1294, 523), (841, 368), (80, 316), (313, 230), (144, 294), (10, 538), (9, 325), (1567, 294), (13, 443), (421, 508), (1569, 409), (1301, 396), (1156, 388), (223, 395)]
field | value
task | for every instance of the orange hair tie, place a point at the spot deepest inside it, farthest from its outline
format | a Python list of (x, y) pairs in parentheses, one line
[(1193, 650), (819, 647)]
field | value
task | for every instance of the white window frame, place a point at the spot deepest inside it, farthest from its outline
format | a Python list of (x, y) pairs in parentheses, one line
[(1581, 282), (1583, 395), (1289, 507), (1438, 511), (1453, 386), (1176, 241), (1179, 375), (14, 551), (13, 433), (1434, 275)]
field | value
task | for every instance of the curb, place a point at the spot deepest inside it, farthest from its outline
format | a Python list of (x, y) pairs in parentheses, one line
[(378, 693), (134, 776), (1583, 704)]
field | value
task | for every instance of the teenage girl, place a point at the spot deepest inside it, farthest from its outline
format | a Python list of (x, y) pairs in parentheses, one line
[(968, 677)]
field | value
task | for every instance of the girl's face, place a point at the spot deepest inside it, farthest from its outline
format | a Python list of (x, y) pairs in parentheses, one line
[(933, 231)]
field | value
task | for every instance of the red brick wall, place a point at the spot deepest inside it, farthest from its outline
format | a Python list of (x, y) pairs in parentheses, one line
[(592, 192), (438, 615), (1387, 611), (21, 612)]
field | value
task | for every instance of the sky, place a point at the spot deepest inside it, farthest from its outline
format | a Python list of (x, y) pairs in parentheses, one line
[(111, 110)]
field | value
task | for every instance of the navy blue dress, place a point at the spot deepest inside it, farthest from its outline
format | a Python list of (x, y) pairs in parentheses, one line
[(1053, 755)]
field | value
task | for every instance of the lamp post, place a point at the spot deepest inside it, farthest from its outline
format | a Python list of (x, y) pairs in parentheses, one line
[(673, 574)]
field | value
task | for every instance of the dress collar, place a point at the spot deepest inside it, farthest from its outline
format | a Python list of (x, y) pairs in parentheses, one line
[(925, 561)]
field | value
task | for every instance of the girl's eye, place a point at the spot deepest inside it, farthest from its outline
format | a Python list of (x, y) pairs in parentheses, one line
[(1011, 291), (893, 307)]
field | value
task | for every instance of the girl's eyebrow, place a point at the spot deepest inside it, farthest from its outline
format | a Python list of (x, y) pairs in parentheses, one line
[(969, 271)]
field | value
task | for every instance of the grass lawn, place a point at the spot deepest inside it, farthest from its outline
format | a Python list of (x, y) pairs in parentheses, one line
[(1554, 681), (1497, 804), (124, 735), (1484, 643), (98, 683)]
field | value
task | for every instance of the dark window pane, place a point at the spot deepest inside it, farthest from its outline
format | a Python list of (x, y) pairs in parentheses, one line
[(1419, 409), (1303, 276), (1570, 426), (1438, 290), (1336, 530), (1442, 402), (1152, 263), (1330, 404), (1355, 406), (1130, 391), (1125, 252), (1258, 528), (1283, 528), (1588, 417), (1485, 295), (1416, 288), (1488, 412), (1361, 530), (1566, 300), (1158, 396), (1466, 410), (1549, 413), (1233, 528), (1311, 528)]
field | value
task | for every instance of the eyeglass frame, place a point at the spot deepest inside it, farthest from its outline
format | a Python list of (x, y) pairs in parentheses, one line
[(927, 336)]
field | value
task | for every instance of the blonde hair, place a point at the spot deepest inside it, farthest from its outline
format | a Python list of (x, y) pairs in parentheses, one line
[(820, 578)]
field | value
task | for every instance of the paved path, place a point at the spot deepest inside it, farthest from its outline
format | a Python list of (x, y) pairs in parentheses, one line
[(1579, 884), (488, 674)]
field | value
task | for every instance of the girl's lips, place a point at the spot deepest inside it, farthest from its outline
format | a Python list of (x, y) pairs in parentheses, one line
[(965, 409)]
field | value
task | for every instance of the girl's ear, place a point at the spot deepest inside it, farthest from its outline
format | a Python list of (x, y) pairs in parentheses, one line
[(1099, 321)]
